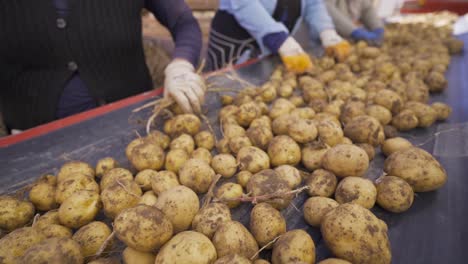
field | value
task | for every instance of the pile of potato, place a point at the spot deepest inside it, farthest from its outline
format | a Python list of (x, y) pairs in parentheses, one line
[(316, 132)]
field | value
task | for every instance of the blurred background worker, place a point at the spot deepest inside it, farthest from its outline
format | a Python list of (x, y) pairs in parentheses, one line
[(243, 29), (62, 57), (356, 19)]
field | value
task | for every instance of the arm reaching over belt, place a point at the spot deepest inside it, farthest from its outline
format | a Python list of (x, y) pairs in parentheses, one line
[(294, 57), (335, 45)]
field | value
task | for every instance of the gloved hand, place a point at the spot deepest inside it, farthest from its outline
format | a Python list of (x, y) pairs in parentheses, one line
[(294, 57), (184, 86), (335, 45), (379, 32), (362, 34)]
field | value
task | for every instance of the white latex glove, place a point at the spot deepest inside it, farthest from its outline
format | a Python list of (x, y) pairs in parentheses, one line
[(294, 57), (184, 86), (290, 47), (329, 37)]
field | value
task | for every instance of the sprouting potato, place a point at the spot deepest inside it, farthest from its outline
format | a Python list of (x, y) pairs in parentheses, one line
[(113, 175)]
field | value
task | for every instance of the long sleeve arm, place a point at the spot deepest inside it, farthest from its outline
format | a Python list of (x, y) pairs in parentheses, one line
[(369, 16), (184, 28), (316, 16), (344, 25)]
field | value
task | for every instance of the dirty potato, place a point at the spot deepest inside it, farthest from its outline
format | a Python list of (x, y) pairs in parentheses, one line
[(232, 237), (229, 193), (284, 150), (315, 208), (356, 190), (346, 160), (295, 244), (394, 194), (143, 179), (266, 223), (120, 195), (224, 164), (204, 139), (197, 175), (290, 174), (321, 183), (91, 237), (79, 209), (54, 250), (267, 182), (207, 220), (253, 159), (395, 144)]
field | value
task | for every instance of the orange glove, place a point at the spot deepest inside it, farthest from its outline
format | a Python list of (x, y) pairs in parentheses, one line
[(335, 45), (293, 56)]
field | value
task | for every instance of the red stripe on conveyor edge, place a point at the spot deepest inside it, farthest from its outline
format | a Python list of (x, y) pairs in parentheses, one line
[(71, 120), (460, 7)]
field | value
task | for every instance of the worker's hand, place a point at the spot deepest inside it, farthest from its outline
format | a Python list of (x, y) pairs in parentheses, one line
[(294, 57), (362, 34), (335, 46), (184, 86), (379, 33)]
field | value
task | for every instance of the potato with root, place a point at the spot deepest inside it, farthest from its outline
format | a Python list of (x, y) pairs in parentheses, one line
[(395, 144), (197, 175), (315, 208), (184, 142), (143, 228), (312, 155), (91, 237), (207, 220), (120, 195), (417, 167), (442, 110), (49, 218), (321, 183), (230, 194), (233, 259), (303, 131), (365, 129), (104, 165), (75, 167), (163, 181), (79, 209), (143, 179), (356, 190), (187, 247), (232, 237), (54, 250), (175, 159), (224, 164), (294, 245), (284, 150), (202, 154), (180, 205), (267, 182), (159, 138), (113, 175), (205, 139), (16, 243), (132, 256), (14, 213), (346, 160), (394, 194), (146, 155), (355, 234), (405, 120), (290, 174), (266, 223), (253, 159)]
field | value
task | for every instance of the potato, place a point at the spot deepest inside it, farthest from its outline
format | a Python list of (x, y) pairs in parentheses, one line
[(180, 205), (253, 159), (175, 159), (303, 112), (334, 261), (263, 121), (356, 190), (261, 261), (233, 259), (184, 124), (294, 245), (321, 183), (163, 181), (120, 195), (425, 114), (390, 132), (243, 177), (207, 220), (442, 110), (279, 107), (436, 82), (266, 223), (318, 105), (284, 150), (267, 182), (204, 139), (143, 179), (184, 142), (353, 233), (247, 113), (290, 174), (73, 184), (187, 247), (49, 218), (394, 194), (370, 52), (104, 165), (56, 231), (390, 100), (417, 167), (405, 120), (159, 138), (16, 243), (303, 131), (113, 175), (202, 154), (147, 155), (42, 195), (227, 99), (229, 110), (54, 250), (236, 143), (317, 207), (228, 192), (148, 198), (326, 117), (131, 146), (365, 129), (132, 256), (281, 124), (351, 110), (79, 209), (369, 149), (75, 167), (14, 213), (334, 107), (232, 237), (346, 160), (260, 136), (329, 132), (143, 228), (395, 144), (232, 131), (382, 114), (197, 175), (312, 155), (223, 146), (91, 237)]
